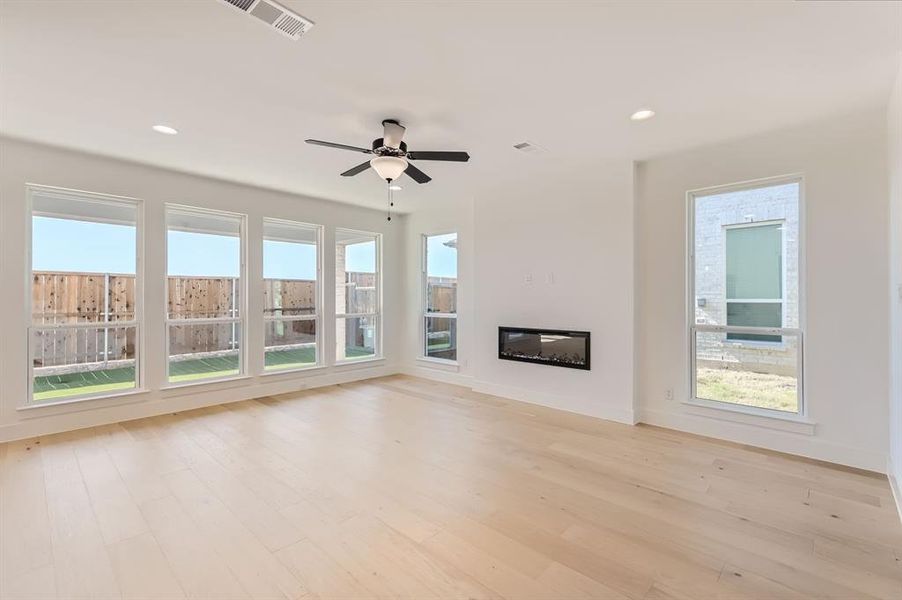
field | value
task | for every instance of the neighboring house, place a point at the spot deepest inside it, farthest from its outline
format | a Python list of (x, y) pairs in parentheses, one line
[(746, 254)]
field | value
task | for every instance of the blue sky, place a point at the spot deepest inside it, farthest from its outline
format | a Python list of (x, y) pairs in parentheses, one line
[(66, 245), (82, 246), (441, 261)]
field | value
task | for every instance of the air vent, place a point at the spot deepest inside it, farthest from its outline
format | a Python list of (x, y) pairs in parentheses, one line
[(278, 17), (242, 4)]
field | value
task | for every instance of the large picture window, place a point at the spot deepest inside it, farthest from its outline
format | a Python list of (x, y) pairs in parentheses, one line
[(357, 295), (205, 275), (291, 288), (745, 296), (85, 290), (440, 294)]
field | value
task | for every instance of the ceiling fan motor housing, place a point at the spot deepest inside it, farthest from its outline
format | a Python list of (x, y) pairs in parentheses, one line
[(381, 149)]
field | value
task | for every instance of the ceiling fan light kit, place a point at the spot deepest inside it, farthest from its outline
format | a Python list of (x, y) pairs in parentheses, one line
[(389, 167), (392, 157)]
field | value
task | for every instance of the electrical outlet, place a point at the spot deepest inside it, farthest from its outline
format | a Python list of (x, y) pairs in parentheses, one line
[(668, 394)]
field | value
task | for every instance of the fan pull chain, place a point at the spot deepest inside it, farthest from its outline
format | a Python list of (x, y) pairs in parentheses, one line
[(391, 202)]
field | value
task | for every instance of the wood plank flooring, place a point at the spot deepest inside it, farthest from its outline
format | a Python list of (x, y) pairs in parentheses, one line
[(406, 488)]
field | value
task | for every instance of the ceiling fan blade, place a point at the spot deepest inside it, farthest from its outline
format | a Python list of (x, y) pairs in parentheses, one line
[(339, 146), (416, 174), (393, 133), (358, 169), (447, 156)]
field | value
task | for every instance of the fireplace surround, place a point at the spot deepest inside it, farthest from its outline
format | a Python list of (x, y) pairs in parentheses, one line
[(554, 347)]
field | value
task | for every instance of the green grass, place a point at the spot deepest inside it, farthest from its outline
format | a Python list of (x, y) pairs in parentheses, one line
[(203, 368), (762, 390), (53, 387), (289, 359)]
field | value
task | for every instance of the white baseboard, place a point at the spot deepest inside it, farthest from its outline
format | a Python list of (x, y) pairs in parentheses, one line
[(894, 485), (566, 403), (780, 441), (161, 402), (441, 375)]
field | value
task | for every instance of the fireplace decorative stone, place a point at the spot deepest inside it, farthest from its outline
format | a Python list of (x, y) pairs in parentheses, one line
[(553, 347)]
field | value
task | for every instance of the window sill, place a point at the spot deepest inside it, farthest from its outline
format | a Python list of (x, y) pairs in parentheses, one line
[(439, 363), (298, 371), (359, 361), (790, 422), (83, 403), (173, 388)]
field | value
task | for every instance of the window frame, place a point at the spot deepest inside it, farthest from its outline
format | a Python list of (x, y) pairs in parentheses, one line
[(242, 305), (377, 346), (32, 190), (693, 329), (424, 300), (318, 295)]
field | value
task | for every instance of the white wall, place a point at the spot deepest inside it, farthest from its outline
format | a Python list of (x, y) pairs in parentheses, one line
[(22, 163), (572, 231), (846, 366), (616, 268), (894, 150)]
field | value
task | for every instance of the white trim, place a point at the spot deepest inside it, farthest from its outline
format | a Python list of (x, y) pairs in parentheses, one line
[(788, 442), (750, 415), (270, 318), (444, 376), (203, 320), (318, 289), (243, 289), (294, 370), (364, 237), (86, 325), (42, 409), (693, 328), (894, 485), (357, 361), (197, 382), (422, 354), (583, 405), (192, 398), (442, 364), (32, 189)]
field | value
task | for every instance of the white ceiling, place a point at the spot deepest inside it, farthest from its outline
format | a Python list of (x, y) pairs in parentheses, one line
[(475, 76)]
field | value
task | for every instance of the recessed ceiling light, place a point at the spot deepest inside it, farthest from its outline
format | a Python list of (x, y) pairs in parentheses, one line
[(165, 129), (641, 115), (395, 188)]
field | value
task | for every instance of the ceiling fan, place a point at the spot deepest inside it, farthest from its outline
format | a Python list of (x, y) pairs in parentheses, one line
[(391, 155)]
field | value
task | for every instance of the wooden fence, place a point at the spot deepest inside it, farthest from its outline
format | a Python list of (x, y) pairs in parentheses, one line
[(442, 295), (101, 300)]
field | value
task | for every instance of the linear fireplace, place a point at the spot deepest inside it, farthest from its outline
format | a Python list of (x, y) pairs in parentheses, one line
[(545, 346)]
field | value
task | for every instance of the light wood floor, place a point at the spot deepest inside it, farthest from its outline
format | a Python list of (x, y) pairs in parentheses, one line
[(405, 488)]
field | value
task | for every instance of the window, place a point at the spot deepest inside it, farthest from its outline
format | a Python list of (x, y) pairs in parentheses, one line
[(291, 287), (205, 318), (85, 290), (357, 295), (440, 309), (745, 295), (754, 260)]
